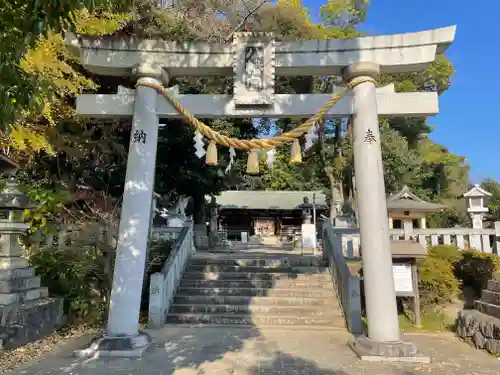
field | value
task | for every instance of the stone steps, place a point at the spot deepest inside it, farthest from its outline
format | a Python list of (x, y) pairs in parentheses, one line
[(277, 291), (224, 268), (258, 292), (272, 310), (235, 276), (260, 284), (490, 296), (261, 263), (252, 319), (494, 285), (487, 308), (249, 300)]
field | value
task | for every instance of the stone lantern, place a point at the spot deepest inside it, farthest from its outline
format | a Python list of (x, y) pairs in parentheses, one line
[(308, 230), (475, 205), (214, 222), (26, 309), (12, 206), (306, 211)]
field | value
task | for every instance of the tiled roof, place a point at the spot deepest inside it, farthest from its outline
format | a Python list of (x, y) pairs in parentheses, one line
[(406, 200), (267, 200)]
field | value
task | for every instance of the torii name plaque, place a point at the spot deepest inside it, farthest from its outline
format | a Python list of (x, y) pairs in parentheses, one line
[(253, 67)]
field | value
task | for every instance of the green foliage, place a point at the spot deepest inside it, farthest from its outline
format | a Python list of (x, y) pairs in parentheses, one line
[(431, 321), (447, 253), (81, 275), (76, 276), (42, 15), (48, 203), (446, 269), (449, 218), (493, 187), (437, 282), (474, 269)]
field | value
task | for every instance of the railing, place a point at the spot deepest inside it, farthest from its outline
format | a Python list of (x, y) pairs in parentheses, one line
[(165, 234), (347, 286), (485, 240), (164, 284), (70, 236)]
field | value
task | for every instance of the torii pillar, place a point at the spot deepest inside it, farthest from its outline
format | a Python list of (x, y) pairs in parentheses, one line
[(123, 337), (384, 339)]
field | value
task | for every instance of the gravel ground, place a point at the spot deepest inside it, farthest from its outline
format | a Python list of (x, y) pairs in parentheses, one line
[(10, 359)]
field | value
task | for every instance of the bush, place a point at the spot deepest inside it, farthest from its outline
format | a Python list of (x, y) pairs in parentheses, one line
[(448, 253), (446, 269), (82, 276), (474, 269), (76, 276), (437, 282)]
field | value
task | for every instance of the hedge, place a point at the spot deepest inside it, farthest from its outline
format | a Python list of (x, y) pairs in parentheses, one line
[(446, 270)]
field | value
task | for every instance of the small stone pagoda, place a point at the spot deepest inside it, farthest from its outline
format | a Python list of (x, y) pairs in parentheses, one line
[(27, 312), (407, 211)]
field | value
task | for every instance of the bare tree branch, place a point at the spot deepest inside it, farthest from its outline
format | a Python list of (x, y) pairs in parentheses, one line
[(244, 20)]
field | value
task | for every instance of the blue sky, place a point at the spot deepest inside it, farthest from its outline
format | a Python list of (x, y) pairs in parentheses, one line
[(468, 122)]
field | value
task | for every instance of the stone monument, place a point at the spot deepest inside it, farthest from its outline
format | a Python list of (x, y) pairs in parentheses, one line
[(308, 230), (214, 222), (27, 311)]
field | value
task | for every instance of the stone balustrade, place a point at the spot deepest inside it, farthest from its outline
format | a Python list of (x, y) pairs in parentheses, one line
[(165, 234), (485, 240), (164, 284), (71, 236), (346, 285)]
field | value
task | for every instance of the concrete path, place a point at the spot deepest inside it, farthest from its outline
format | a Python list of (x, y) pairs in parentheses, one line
[(223, 351)]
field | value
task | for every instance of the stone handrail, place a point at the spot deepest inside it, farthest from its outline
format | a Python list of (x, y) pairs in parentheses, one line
[(165, 234), (485, 240), (347, 286), (164, 284)]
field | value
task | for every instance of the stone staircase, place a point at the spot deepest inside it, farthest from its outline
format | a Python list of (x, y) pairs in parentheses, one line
[(257, 290), (489, 303), (481, 325)]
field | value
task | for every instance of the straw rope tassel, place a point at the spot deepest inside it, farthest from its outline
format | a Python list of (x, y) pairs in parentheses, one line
[(296, 154), (253, 162), (211, 158)]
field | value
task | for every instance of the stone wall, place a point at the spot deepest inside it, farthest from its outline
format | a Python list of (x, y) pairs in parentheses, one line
[(480, 329), (481, 326), (22, 323)]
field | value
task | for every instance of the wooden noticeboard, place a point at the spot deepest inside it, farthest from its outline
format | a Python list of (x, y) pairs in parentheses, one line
[(403, 278), (404, 270)]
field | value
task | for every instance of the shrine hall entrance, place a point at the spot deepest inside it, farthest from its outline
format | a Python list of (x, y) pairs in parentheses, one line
[(265, 216)]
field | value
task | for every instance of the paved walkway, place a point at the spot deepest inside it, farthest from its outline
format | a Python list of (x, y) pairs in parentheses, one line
[(238, 351)]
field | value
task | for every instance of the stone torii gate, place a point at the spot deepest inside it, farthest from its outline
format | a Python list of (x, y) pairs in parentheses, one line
[(153, 62)]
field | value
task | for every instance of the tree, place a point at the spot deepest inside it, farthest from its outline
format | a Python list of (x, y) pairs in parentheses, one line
[(93, 153), (493, 187)]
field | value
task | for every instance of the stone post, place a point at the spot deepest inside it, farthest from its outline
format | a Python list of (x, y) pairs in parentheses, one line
[(380, 296), (423, 223), (308, 230), (122, 335), (497, 236), (306, 211), (214, 223)]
